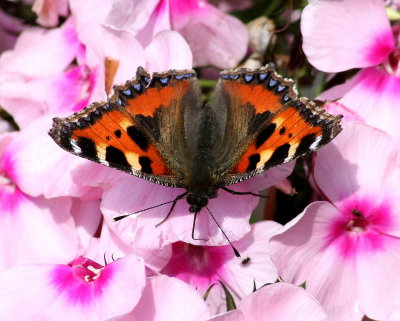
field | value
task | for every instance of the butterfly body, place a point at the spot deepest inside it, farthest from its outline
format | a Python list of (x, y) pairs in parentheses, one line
[(159, 129)]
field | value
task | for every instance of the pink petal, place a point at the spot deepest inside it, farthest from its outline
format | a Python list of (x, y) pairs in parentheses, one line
[(59, 292), (214, 37), (259, 270), (276, 302), (378, 273), (88, 219), (303, 253), (231, 211), (266, 179), (35, 229), (234, 315), (168, 50), (111, 246), (27, 100), (283, 302), (160, 20), (374, 96), (361, 156), (41, 167), (102, 41), (42, 53), (336, 108), (340, 28), (167, 298), (130, 15)]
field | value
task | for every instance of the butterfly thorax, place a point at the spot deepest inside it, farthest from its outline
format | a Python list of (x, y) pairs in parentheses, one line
[(201, 185)]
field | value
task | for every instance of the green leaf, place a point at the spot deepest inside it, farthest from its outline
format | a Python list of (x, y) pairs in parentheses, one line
[(230, 302), (205, 296)]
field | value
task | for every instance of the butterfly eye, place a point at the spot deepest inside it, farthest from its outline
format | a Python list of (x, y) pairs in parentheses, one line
[(197, 202)]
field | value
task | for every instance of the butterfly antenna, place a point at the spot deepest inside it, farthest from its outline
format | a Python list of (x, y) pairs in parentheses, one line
[(118, 218), (237, 254)]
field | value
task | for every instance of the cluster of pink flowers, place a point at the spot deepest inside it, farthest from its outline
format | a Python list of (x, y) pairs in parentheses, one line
[(62, 257)]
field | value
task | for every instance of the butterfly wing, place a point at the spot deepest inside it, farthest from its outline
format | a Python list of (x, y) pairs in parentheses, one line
[(139, 130), (265, 123)]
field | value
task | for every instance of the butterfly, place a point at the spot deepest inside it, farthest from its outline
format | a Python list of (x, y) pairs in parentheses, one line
[(158, 128)]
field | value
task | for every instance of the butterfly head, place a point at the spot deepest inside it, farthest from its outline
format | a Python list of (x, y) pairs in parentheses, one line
[(198, 198)]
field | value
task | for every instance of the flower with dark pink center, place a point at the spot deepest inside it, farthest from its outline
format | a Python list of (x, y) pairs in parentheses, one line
[(346, 248)]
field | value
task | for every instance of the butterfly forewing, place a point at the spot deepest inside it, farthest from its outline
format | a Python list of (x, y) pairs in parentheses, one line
[(136, 131)]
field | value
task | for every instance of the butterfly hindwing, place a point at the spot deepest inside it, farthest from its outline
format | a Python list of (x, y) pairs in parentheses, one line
[(137, 130)]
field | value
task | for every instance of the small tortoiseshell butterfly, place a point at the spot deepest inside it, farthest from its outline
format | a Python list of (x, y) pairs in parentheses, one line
[(159, 129)]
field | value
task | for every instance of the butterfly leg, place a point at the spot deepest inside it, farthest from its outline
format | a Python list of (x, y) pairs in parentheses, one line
[(179, 197), (243, 193), (193, 226)]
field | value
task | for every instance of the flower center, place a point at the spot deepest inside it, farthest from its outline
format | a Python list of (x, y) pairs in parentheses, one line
[(359, 223), (198, 255), (86, 269), (6, 184)]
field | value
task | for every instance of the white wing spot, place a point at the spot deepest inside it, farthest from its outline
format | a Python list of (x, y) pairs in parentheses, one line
[(75, 147), (314, 145)]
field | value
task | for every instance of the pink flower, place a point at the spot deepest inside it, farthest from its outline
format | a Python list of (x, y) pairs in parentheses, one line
[(30, 88), (276, 302), (167, 298), (204, 266), (214, 37), (346, 248), (341, 28), (81, 290)]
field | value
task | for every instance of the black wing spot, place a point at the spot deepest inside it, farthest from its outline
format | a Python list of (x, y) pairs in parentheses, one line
[(279, 155), (118, 133), (145, 163), (108, 137), (282, 130), (138, 138), (116, 156), (305, 143), (265, 134), (88, 148), (253, 161)]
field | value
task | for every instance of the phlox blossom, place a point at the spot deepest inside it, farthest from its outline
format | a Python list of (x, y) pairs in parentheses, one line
[(206, 266), (80, 290), (340, 27), (345, 248)]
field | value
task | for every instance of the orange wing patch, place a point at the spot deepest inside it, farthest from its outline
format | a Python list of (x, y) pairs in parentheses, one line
[(259, 97), (299, 128), (155, 98), (264, 89)]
